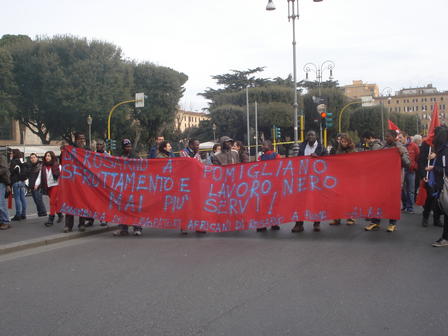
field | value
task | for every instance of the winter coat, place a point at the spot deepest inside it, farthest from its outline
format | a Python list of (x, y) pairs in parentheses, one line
[(226, 157), (413, 152), (422, 161), (438, 166), (188, 152), (130, 155), (244, 157), (405, 162), (375, 145), (164, 155), (34, 173), (341, 150), (18, 171), (48, 177), (269, 155)]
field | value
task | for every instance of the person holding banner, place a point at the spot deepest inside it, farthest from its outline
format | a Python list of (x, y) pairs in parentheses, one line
[(391, 142), (192, 150), (242, 153), (128, 152), (311, 147), (227, 155), (5, 189), (154, 149), (268, 154), (345, 145), (80, 142), (100, 148), (165, 150)]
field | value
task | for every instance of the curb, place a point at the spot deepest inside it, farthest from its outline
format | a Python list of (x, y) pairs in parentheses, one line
[(51, 239)]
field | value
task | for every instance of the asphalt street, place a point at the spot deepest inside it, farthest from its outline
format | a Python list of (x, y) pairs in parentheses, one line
[(341, 281)]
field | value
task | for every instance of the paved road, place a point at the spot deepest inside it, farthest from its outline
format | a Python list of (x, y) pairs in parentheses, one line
[(342, 281)]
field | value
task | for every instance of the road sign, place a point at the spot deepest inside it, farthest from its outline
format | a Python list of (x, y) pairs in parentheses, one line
[(140, 99)]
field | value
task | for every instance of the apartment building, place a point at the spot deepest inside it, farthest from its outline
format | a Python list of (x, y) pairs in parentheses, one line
[(418, 101), (359, 89), (187, 119)]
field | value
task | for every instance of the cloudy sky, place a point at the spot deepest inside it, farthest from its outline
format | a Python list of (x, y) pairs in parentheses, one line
[(393, 43)]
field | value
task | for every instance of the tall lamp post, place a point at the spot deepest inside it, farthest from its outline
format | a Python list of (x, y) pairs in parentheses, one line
[(89, 122), (248, 120), (318, 70), (293, 14), (388, 91)]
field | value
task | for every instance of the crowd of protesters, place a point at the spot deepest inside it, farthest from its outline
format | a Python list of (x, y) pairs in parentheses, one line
[(423, 166)]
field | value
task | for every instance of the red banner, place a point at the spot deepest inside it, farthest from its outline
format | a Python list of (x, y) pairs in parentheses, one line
[(183, 193)]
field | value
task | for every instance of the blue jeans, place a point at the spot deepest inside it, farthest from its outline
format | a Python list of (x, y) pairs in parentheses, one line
[(408, 193), (40, 206), (18, 190), (4, 217)]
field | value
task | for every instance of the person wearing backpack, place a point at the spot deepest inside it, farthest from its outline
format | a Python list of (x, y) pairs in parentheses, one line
[(19, 174)]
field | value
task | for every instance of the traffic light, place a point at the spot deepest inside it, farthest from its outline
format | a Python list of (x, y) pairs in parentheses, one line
[(329, 119), (278, 133), (111, 144), (323, 116)]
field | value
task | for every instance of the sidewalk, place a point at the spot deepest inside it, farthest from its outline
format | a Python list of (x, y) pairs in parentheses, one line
[(32, 232)]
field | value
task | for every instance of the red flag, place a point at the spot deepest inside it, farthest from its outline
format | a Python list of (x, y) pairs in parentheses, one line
[(392, 126), (435, 122)]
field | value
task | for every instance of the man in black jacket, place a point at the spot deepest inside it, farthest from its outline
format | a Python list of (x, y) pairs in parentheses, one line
[(311, 147), (19, 175), (128, 152)]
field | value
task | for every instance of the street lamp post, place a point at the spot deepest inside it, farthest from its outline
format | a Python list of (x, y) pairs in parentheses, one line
[(318, 70), (256, 130), (388, 90), (214, 132), (293, 14), (89, 122)]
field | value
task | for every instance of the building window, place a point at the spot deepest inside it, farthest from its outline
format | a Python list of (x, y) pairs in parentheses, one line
[(6, 129), (398, 102), (416, 108), (441, 98)]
